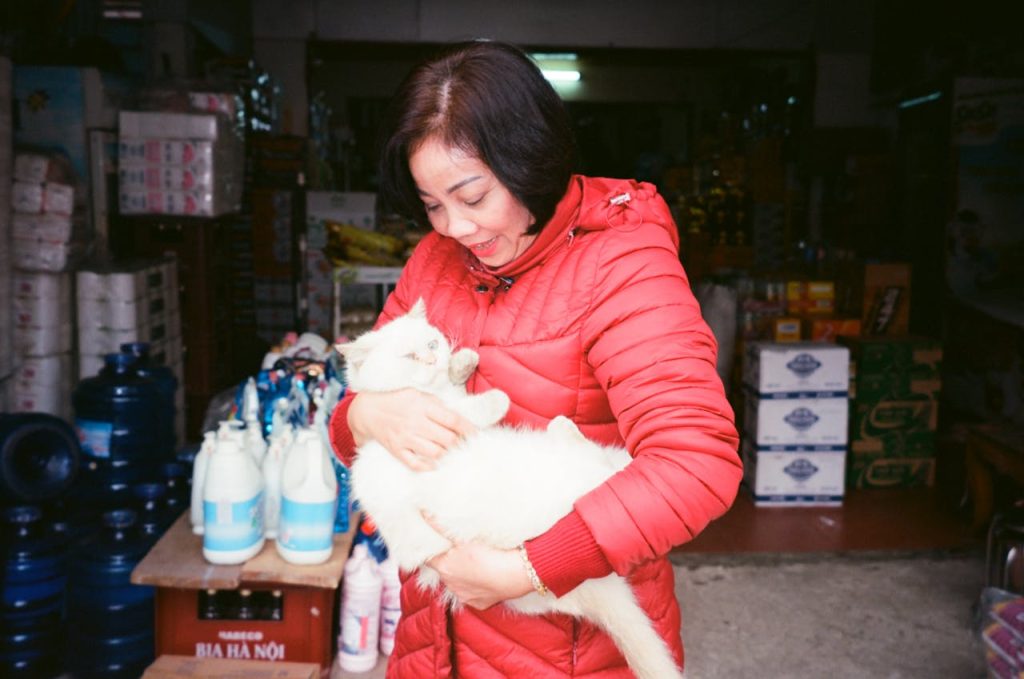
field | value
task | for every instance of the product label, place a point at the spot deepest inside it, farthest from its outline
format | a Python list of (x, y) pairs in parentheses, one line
[(94, 437), (306, 526), (230, 526)]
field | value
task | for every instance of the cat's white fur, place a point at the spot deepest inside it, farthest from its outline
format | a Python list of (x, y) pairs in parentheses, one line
[(500, 486)]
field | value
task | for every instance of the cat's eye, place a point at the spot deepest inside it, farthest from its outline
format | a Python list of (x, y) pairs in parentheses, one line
[(432, 345)]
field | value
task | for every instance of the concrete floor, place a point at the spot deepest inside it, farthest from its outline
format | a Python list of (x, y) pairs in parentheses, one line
[(893, 615)]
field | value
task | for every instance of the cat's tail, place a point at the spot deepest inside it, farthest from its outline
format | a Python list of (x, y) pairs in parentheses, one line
[(609, 603)]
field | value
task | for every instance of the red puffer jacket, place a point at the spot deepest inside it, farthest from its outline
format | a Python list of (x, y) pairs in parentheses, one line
[(595, 321)]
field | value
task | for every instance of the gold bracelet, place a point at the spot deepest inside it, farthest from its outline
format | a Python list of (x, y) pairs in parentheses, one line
[(531, 572)]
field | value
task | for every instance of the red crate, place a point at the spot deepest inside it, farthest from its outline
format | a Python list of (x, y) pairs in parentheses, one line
[(305, 633), (302, 635)]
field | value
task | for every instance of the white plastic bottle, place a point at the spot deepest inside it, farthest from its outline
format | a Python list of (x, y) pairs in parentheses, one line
[(390, 604), (273, 462), (360, 612), (199, 479), (255, 444), (232, 505), (309, 496)]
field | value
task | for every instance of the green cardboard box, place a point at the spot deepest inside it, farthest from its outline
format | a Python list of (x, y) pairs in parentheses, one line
[(869, 471), (919, 356)]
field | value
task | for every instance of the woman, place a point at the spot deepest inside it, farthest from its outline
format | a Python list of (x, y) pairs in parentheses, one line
[(571, 291)]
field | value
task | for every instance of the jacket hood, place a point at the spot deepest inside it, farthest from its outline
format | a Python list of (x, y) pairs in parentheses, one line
[(589, 204)]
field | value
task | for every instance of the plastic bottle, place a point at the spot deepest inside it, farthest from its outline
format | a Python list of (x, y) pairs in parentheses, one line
[(33, 574), (390, 604), (199, 479), (232, 506), (360, 612), (309, 491), (273, 463), (167, 385), (39, 457), (117, 413), (255, 444), (110, 620)]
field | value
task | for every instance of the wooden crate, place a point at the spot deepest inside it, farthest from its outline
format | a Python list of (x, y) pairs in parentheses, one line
[(176, 567)]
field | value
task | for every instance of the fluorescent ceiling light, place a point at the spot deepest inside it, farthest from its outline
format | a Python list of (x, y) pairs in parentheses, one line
[(554, 56), (916, 101), (561, 76)]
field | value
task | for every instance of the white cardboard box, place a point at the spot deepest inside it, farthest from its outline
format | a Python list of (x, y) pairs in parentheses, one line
[(795, 478), (792, 423), (358, 208), (798, 367)]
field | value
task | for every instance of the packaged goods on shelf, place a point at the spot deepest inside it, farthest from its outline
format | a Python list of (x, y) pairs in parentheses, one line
[(43, 384), (132, 301), (179, 164), (42, 313), (796, 423)]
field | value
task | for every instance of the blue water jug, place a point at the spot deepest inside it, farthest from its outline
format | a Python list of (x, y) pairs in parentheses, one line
[(32, 587), (39, 457), (167, 384), (175, 476), (150, 502), (110, 620), (117, 413)]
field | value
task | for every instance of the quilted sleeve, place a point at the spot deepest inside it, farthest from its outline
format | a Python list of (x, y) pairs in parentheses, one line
[(654, 355)]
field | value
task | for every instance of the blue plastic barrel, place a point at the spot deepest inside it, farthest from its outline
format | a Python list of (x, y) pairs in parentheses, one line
[(117, 413), (110, 620), (39, 457), (32, 587), (175, 476), (167, 384)]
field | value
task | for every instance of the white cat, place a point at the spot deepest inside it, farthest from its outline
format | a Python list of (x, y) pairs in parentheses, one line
[(500, 486)]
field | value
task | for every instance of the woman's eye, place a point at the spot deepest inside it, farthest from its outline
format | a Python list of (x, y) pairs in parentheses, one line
[(472, 203), (431, 208)]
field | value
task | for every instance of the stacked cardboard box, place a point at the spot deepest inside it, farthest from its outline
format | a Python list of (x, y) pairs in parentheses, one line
[(893, 410), (795, 422)]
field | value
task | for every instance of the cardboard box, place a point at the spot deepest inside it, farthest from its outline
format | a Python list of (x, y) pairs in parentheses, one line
[(802, 478), (867, 470), (358, 208), (786, 330), (885, 355), (186, 667), (830, 329), (796, 423), (801, 367), (886, 299), (810, 297), (908, 415)]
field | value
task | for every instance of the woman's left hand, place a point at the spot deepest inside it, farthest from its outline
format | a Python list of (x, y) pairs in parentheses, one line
[(478, 575)]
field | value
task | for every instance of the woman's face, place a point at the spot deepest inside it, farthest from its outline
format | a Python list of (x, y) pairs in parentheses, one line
[(465, 201)]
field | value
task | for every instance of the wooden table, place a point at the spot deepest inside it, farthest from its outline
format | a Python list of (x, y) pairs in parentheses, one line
[(176, 567), (993, 450)]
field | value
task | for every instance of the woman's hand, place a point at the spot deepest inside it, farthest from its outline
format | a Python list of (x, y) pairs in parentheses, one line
[(413, 426), (478, 575)]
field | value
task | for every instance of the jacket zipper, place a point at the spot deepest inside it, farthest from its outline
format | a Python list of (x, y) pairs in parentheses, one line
[(575, 640)]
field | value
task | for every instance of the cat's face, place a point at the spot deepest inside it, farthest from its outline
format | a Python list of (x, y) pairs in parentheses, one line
[(407, 352)]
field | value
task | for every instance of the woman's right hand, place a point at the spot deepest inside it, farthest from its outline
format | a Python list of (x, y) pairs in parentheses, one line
[(413, 426)]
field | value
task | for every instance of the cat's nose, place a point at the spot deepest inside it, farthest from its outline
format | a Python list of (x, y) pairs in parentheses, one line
[(429, 358)]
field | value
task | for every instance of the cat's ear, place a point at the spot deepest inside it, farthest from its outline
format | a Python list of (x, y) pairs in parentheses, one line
[(355, 352), (419, 309)]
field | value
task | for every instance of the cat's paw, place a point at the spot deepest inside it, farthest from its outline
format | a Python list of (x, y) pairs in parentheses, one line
[(462, 365), (494, 404), (564, 427)]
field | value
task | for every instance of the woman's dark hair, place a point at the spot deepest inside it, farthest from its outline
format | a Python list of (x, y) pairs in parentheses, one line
[(490, 100)]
